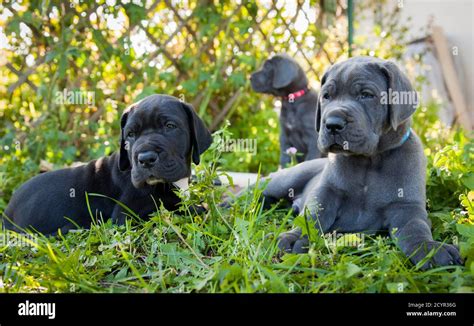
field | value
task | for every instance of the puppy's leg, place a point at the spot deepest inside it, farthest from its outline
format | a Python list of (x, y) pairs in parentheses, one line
[(285, 184), (297, 205), (290, 183), (410, 227), (139, 206), (285, 159), (321, 206), (293, 242), (65, 229)]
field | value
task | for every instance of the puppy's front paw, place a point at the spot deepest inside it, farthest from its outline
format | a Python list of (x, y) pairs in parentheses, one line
[(296, 206), (268, 201), (197, 209), (445, 254), (293, 242), (226, 203)]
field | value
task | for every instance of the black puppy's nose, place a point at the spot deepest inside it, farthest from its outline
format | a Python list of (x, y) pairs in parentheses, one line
[(335, 124), (147, 159)]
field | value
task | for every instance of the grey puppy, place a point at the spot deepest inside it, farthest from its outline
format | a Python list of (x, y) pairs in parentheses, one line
[(282, 76), (374, 176)]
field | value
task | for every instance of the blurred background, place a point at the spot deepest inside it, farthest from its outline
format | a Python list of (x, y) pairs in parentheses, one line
[(69, 68)]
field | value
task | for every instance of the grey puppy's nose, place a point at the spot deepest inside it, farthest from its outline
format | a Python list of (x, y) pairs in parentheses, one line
[(147, 159), (335, 124)]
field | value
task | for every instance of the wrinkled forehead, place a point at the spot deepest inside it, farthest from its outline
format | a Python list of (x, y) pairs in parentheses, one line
[(347, 74), (151, 111)]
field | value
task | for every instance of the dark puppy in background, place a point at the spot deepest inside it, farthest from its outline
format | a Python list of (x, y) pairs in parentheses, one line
[(282, 76), (374, 177), (160, 136)]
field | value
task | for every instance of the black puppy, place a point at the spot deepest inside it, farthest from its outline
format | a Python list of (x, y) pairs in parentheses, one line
[(160, 135), (282, 76)]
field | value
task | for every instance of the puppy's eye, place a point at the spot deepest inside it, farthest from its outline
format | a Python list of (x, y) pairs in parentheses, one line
[(171, 125), (326, 96), (366, 95), (131, 134)]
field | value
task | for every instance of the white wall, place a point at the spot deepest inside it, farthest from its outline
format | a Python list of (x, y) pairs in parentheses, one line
[(456, 17)]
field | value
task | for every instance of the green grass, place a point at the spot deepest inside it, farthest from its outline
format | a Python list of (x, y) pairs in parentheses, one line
[(224, 250)]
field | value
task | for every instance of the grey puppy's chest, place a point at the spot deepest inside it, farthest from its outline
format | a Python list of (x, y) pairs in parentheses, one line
[(363, 196)]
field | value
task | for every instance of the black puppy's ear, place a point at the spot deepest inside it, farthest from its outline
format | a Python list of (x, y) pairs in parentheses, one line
[(200, 136), (318, 105), (399, 86), (124, 162), (284, 73)]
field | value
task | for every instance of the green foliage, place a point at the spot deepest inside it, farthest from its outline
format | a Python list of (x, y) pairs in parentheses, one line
[(121, 53), (467, 245), (260, 124), (451, 173)]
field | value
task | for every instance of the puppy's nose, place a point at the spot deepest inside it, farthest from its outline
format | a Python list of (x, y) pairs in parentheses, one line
[(335, 124), (147, 159)]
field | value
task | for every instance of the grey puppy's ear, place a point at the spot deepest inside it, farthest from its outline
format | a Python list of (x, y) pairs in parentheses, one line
[(398, 84), (124, 162), (284, 73), (318, 105), (201, 138)]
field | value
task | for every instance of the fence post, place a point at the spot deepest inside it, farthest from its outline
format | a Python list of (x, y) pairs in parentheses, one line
[(350, 24)]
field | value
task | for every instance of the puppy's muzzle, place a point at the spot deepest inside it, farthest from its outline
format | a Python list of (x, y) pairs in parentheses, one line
[(257, 82), (334, 124), (147, 159)]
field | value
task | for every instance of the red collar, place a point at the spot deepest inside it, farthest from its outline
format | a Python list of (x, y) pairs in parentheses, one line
[(293, 96)]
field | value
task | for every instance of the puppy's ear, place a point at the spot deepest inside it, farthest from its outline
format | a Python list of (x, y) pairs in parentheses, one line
[(318, 105), (200, 136), (124, 162), (398, 84), (284, 73)]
